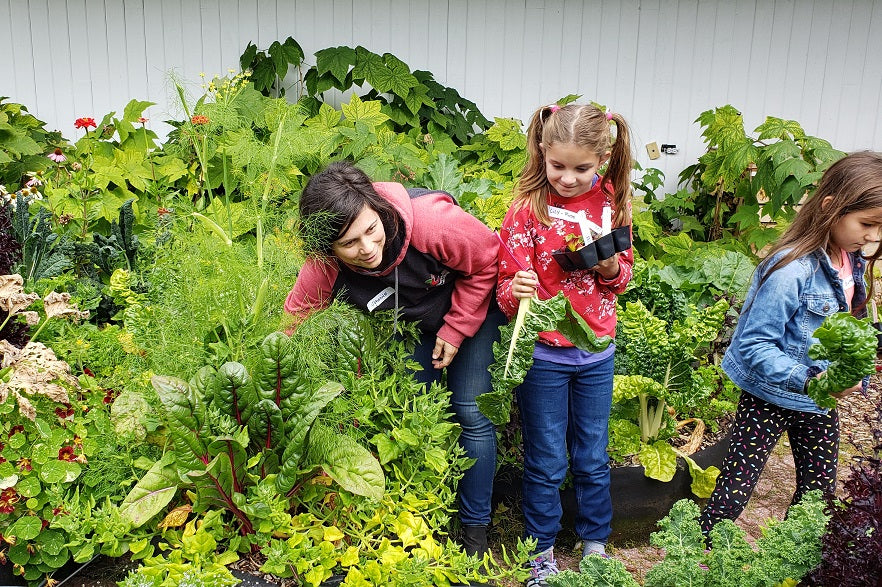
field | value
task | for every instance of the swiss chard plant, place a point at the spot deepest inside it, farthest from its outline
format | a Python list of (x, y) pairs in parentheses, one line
[(849, 344), (230, 430), (661, 380), (513, 354)]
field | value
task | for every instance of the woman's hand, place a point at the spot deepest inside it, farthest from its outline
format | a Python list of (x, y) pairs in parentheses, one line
[(608, 268), (524, 284), (443, 353)]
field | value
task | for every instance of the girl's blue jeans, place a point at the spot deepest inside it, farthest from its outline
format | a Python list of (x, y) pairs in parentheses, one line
[(561, 407), (467, 378)]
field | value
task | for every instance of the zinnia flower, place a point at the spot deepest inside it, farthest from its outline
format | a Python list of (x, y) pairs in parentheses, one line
[(57, 156), (199, 119), (85, 123)]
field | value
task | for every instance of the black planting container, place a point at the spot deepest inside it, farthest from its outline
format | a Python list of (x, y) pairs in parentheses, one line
[(603, 248), (580, 259)]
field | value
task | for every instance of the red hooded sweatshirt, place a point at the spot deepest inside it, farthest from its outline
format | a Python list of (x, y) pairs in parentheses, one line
[(443, 267)]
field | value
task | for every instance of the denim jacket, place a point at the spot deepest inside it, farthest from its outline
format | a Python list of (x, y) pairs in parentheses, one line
[(768, 356)]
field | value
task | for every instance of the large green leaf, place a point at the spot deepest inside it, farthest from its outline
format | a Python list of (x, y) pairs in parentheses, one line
[(659, 460), (366, 112), (346, 462), (152, 493), (296, 429), (336, 61)]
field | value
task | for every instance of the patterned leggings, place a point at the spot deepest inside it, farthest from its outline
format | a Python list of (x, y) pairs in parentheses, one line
[(814, 442)]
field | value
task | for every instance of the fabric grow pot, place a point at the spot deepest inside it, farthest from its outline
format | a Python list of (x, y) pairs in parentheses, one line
[(638, 501)]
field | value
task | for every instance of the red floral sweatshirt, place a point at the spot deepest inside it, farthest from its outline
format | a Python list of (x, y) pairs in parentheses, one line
[(444, 267), (532, 244)]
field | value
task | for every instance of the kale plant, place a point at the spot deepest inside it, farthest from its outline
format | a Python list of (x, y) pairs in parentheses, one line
[(787, 550)]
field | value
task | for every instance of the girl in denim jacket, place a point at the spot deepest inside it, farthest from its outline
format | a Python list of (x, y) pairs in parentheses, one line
[(816, 269)]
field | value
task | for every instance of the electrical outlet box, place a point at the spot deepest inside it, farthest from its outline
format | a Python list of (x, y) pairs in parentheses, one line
[(652, 150)]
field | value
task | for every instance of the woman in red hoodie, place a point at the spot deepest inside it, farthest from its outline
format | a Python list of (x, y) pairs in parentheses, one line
[(381, 246)]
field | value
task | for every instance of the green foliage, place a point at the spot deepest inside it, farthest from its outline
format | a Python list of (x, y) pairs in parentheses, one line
[(787, 550), (191, 559), (23, 142), (215, 419), (657, 371), (595, 571), (56, 465), (509, 369), (412, 100), (269, 68), (742, 178), (850, 346)]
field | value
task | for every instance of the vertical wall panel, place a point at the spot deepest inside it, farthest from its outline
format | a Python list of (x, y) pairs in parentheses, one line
[(658, 62)]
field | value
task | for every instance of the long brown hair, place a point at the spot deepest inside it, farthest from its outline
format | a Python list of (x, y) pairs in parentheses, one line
[(852, 184), (332, 200), (587, 126)]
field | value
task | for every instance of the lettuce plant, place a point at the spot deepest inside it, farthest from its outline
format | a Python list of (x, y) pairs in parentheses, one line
[(850, 346)]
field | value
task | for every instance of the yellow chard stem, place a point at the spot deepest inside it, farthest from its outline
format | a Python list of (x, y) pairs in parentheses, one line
[(523, 308)]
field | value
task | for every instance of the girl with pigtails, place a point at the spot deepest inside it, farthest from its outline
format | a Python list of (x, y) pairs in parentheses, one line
[(566, 397)]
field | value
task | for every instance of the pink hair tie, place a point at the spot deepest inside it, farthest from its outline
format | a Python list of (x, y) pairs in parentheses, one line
[(609, 115), (554, 108)]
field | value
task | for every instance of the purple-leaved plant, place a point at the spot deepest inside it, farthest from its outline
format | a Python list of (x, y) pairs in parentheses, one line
[(852, 545)]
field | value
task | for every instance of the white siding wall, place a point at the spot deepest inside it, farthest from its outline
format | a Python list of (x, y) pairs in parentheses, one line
[(658, 62)]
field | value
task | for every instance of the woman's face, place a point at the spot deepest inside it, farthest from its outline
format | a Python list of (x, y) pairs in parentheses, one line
[(362, 244)]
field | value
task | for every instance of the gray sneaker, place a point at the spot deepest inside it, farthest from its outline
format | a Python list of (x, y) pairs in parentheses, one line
[(542, 567)]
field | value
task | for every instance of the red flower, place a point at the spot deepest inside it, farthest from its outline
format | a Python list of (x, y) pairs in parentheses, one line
[(24, 464), (163, 212), (8, 498), (65, 412), (14, 430), (199, 119), (142, 120), (109, 396), (85, 123), (66, 453), (88, 372)]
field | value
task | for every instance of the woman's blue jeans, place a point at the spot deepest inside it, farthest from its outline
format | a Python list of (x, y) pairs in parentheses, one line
[(566, 406), (467, 378)]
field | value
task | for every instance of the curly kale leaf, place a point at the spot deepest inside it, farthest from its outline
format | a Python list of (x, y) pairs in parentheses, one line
[(850, 346)]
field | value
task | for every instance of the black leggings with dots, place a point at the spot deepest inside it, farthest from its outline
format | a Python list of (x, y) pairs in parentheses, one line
[(814, 442)]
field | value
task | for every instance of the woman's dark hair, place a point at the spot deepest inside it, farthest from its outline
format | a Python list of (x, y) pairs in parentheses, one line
[(331, 201)]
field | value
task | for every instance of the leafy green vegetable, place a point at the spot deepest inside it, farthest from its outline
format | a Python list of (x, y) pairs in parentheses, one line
[(595, 571), (850, 346), (788, 549), (513, 354), (660, 358)]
